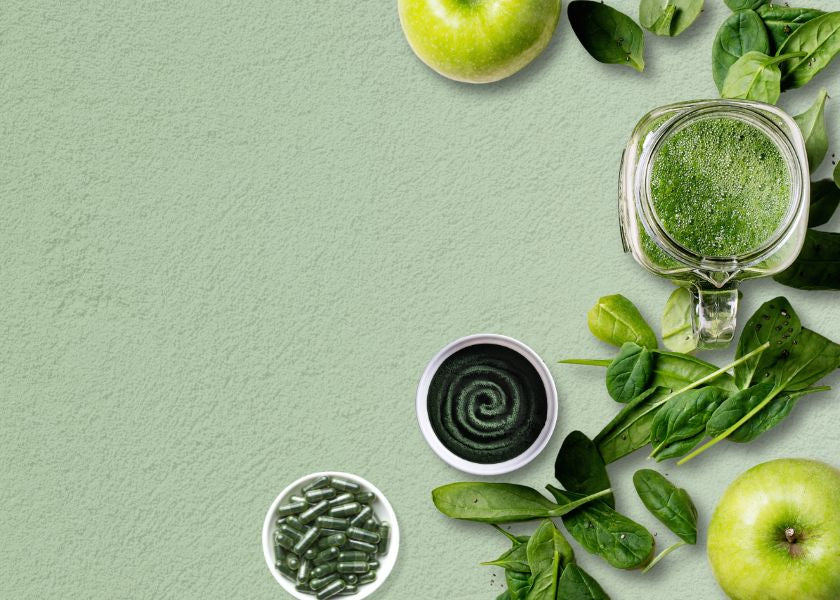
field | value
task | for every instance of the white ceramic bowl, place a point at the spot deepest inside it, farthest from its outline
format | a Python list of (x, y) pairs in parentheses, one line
[(381, 507), (480, 468)]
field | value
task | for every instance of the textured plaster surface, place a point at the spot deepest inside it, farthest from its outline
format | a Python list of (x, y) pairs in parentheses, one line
[(233, 234)]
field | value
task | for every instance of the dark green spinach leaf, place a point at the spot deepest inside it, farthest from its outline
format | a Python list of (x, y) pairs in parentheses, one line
[(616, 320), (519, 584), (602, 531), (742, 32), (608, 35), (782, 21), (775, 322), (629, 430), (684, 416), (825, 197), (515, 559), (500, 502), (811, 358), (580, 468), (668, 503), (818, 265), (577, 584), (628, 374), (745, 4), (819, 41), (544, 544), (812, 125)]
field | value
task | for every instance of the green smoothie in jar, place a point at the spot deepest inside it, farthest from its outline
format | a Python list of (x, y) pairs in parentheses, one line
[(720, 187)]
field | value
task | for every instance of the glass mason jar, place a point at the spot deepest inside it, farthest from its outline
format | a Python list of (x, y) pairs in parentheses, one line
[(713, 280)]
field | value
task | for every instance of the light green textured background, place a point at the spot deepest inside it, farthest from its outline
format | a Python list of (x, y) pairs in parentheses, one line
[(233, 234)]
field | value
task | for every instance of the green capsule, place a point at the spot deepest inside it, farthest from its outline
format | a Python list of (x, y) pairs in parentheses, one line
[(313, 512), (292, 508), (365, 497), (368, 577), (352, 555), (326, 522), (304, 588), (316, 583), (357, 533), (361, 546), (333, 589), (306, 540), (346, 510), (286, 571), (283, 540), (312, 552), (315, 496), (298, 498), (321, 482), (350, 590), (344, 498), (351, 579), (294, 523), (336, 539), (323, 570), (325, 531), (345, 486), (372, 524), (304, 571), (362, 516), (384, 538), (292, 533), (373, 565), (352, 567), (292, 561), (325, 556)]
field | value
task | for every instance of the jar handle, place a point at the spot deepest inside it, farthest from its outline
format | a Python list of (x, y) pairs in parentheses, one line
[(713, 315)]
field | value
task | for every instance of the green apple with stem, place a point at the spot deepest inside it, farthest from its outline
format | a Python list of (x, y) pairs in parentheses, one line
[(775, 534), (478, 41)]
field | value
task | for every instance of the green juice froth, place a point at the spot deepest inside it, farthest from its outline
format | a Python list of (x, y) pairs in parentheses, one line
[(720, 187)]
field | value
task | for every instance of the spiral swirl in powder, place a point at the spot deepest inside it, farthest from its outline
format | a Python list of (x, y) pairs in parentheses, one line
[(487, 403)]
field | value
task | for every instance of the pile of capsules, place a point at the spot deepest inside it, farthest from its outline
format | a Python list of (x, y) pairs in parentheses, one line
[(328, 538)]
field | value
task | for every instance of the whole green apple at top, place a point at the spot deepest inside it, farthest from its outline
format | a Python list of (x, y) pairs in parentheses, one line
[(478, 41), (776, 533)]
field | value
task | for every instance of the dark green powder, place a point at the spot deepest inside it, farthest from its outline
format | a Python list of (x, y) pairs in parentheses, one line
[(487, 403), (720, 187)]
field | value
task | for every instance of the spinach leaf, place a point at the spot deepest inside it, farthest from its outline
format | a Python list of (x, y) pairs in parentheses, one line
[(657, 16), (812, 125), (504, 596), (745, 4), (544, 582), (775, 322), (608, 35), (514, 559), (519, 584), (825, 196), (668, 503), (676, 371), (684, 416), (576, 584), (628, 374), (616, 320), (680, 448), (580, 468), (811, 358), (544, 544), (819, 39), (623, 543), (739, 405), (630, 429), (818, 265), (756, 76), (742, 32), (781, 21), (677, 333), (500, 502)]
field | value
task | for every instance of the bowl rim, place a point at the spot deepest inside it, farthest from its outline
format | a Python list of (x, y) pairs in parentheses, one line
[(453, 459), (387, 561)]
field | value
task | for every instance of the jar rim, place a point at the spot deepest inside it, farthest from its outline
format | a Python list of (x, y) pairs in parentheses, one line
[(756, 115)]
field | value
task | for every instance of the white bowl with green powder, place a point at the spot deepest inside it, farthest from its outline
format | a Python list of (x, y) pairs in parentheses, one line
[(338, 523)]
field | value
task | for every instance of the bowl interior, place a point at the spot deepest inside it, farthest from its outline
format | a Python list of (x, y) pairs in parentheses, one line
[(381, 507), (482, 468)]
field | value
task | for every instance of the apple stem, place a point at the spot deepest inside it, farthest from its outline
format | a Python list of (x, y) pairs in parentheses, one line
[(790, 535)]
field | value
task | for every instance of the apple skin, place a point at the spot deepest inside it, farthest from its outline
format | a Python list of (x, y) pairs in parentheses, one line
[(747, 547), (478, 41)]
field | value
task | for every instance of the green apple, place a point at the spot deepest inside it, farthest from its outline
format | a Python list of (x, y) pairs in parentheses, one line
[(776, 533), (478, 41)]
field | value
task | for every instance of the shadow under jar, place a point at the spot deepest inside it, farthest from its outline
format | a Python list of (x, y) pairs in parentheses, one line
[(711, 193)]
